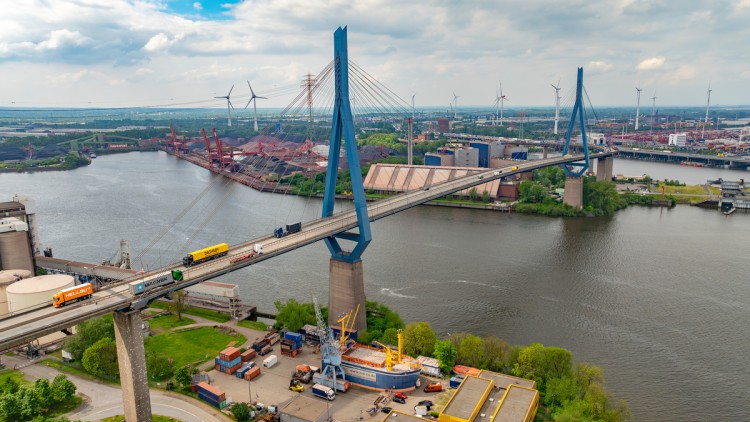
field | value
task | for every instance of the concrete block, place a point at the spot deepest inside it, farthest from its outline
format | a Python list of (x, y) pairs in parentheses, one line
[(573, 192), (346, 290), (131, 356)]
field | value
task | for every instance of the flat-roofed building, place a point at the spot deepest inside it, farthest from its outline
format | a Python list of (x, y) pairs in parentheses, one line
[(492, 396), (396, 178), (304, 409), (519, 404)]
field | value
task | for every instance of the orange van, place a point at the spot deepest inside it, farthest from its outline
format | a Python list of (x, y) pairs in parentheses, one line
[(433, 387)]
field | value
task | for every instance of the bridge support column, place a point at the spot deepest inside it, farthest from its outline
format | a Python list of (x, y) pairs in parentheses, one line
[(573, 191), (131, 357), (544, 153), (346, 290), (604, 168)]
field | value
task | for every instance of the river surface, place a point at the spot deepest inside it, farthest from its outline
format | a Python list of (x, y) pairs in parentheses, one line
[(659, 298)]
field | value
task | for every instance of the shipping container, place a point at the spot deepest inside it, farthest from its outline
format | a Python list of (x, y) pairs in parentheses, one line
[(252, 373), (248, 354), (265, 350), (341, 385), (259, 344), (272, 338), (211, 391), (230, 353), (142, 286), (456, 381)]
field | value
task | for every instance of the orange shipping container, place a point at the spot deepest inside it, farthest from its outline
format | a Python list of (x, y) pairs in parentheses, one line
[(248, 354), (252, 373)]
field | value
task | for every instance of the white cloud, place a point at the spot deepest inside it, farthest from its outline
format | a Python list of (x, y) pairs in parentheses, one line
[(598, 66), (652, 63), (142, 71), (62, 38), (71, 77), (161, 41), (197, 6), (742, 5)]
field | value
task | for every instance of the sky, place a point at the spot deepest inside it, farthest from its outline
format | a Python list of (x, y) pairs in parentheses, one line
[(132, 53)]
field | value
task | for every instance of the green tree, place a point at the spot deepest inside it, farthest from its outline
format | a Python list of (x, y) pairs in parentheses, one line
[(101, 359), (496, 354), (601, 197), (159, 367), (473, 195), (531, 192), (10, 406), (10, 386), (63, 389), (88, 333), (471, 351), (183, 377), (419, 339), (542, 364), (293, 315), (390, 336), (241, 412), (485, 197), (177, 306), (586, 375), (30, 404), (43, 392), (445, 353)]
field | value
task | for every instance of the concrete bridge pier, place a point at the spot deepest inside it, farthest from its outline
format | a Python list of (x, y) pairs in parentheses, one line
[(573, 191), (604, 168), (346, 290), (544, 152), (131, 356)]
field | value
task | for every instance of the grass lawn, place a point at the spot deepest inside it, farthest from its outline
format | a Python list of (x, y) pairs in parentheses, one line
[(191, 346), (66, 407), (199, 312), (12, 374), (253, 325), (685, 190), (154, 418), (75, 368), (163, 323)]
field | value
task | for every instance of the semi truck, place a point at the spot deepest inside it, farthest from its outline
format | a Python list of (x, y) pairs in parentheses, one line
[(341, 385), (290, 229), (323, 392), (72, 294)]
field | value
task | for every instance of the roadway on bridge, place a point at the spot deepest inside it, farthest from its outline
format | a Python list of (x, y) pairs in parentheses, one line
[(22, 328)]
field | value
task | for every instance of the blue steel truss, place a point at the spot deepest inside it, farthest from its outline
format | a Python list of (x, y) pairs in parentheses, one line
[(578, 168), (343, 127)]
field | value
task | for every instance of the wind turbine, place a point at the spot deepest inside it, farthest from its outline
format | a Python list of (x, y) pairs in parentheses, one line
[(455, 105), (708, 103), (653, 105), (229, 104), (557, 103), (502, 98), (412, 106), (637, 105), (255, 109)]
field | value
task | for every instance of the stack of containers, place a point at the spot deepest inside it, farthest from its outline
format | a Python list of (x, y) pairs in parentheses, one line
[(248, 354), (259, 344), (291, 345), (212, 395), (228, 361)]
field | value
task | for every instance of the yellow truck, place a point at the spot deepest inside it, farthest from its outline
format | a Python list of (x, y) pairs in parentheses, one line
[(205, 254)]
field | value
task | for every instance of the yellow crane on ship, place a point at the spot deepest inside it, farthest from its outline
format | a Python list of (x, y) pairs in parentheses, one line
[(347, 326)]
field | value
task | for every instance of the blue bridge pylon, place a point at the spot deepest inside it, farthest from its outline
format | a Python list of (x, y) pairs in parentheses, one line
[(578, 168), (343, 127)]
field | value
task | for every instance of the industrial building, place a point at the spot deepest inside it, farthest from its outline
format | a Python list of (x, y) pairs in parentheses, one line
[(494, 397), (396, 178), (677, 139), (18, 235), (215, 295), (304, 409)]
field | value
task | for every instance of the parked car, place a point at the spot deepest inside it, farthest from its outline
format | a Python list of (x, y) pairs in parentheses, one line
[(399, 400), (426, 403), (402, 395), (433, 387), (386, 409)]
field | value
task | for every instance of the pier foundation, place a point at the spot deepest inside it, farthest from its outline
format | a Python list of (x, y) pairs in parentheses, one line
[(604, 168), (573, 192), (346, 290), (131, 357)]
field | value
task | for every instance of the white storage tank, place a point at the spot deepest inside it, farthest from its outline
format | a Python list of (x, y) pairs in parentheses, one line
[(8, 277), (34, 291)]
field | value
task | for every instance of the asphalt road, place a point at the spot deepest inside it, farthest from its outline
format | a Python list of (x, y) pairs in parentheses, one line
[(103, 400)]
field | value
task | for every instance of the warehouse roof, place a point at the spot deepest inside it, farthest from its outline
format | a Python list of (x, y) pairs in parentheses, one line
[(402, 178), (503, 381), (517, 404), (468, 397), (305, 408)]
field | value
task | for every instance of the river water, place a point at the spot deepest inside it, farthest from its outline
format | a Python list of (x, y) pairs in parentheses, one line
[(659, 298)]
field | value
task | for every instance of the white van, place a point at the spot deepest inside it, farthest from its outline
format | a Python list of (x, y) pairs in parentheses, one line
[(270, 361)]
